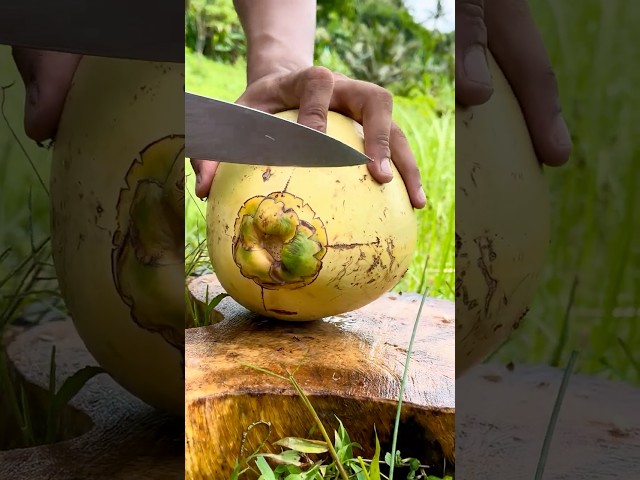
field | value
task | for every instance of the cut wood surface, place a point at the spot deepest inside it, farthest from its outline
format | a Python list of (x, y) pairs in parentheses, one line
[(350, 366), (116, 435), (503, 415)]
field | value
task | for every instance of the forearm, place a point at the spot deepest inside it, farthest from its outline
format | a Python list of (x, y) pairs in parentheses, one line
[(274, 41)]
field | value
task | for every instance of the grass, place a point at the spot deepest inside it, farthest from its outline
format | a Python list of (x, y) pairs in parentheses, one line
[(304, 458), (23, 165), (26, 270), (431, 136), (590, 297)]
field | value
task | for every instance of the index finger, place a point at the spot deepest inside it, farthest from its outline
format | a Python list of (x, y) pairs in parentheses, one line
[(372, 106), (310, 91)]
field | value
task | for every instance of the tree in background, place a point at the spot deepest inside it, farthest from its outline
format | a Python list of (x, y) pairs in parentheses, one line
[(212, 28), (374, 40)]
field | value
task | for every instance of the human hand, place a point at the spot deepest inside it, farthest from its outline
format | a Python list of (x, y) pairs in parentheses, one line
[(47, 78), (315, 91), (508, 29)]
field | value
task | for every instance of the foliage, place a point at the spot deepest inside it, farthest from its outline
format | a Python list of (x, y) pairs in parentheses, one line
[(310, 459), (375, 41), (380, 42), (212, 28)]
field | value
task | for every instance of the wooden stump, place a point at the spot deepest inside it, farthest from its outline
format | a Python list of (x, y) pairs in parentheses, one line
[(503, 416), (350, 366), (113, 434)]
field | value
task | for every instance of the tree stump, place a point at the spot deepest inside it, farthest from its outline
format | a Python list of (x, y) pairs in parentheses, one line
[(503, 416), (349, 366), (109, 434)]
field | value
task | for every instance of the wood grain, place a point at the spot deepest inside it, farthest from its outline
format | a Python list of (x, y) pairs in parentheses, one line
[(503, 416), (350, 366)]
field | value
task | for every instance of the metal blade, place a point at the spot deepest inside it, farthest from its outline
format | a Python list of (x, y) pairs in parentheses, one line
[(140, 30), (228, 132)]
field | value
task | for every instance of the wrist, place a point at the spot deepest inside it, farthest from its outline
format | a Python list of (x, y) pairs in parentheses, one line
[(274, 57)]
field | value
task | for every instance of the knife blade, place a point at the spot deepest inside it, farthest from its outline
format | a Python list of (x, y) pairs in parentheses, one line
[(139, 30), (228, 132)]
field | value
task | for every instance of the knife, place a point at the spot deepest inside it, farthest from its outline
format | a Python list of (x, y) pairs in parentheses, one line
[(228, 132), (139, 30)]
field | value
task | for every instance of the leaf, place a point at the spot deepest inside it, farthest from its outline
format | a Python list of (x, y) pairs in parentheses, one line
[(289, 457), (362, 473), (296, 476), (236, 471), (414, 464), (344, 438), (265, 469), (73, 384), (303, 445), (374, 470), (216, 300), (314, 472), (69, 389)]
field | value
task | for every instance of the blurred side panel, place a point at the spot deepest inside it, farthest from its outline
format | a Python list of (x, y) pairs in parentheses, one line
[(548, 265)]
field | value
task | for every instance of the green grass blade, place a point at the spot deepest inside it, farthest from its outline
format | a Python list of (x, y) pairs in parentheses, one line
[(554, 417), (396, 427)]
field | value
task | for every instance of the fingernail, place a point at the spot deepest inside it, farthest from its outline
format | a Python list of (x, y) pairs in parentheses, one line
[(385, 167), (475, 66), (561, 136)]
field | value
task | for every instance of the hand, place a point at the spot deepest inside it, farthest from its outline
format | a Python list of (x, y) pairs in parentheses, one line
[(315, 91), (47, 77), (507, 27)]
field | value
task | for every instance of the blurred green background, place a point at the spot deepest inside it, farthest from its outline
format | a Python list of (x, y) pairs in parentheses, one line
[(595, 242), (376, 41)]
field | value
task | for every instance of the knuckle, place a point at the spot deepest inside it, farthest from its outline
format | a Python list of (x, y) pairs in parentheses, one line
[(398, 133), (382, 140), (314, 116), (316, 111), (380, 97), (549, 82), (384, 96), (540, 78), (548, 78), (469, 9), (318, 74), (471, 15)]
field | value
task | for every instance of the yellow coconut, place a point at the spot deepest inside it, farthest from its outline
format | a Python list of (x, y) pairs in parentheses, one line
[(117, 194), (502, 222), (301, 244)]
